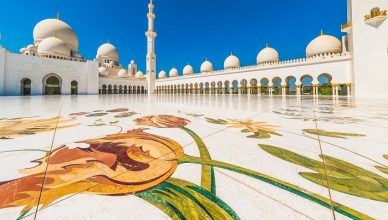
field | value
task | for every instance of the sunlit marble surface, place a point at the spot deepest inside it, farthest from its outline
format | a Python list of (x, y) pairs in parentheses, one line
[(361, 148)]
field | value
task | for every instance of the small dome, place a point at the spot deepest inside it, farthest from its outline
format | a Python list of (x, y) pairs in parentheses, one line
[(232, 62), (206, 67), (323, 44), (188, 70), (30, 46), (267, 55), (174, 72), (103, 71), (22, 50), (55, 27), (53, 46), (132, 62), (109, 51), (122, 73), (162, 74), (139, 75)]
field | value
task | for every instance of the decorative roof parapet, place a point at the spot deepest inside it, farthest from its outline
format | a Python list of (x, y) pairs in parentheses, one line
[(294, 62)]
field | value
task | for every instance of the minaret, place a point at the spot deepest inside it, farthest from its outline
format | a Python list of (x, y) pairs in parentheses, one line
[(151, 57)]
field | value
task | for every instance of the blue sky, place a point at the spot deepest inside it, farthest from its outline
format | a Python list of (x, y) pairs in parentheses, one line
[(188, 31)]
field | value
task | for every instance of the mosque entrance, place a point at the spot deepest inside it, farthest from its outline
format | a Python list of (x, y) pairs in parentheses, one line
[(52, 86), (26, 87), (74, 88)]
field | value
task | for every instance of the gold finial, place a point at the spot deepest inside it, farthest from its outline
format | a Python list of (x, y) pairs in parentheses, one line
[(266, 45), (58, 15), (231, 53), (322, 32), (108, 41)]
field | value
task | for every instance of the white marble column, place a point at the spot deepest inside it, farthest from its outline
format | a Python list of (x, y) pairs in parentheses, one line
[(348, 89)]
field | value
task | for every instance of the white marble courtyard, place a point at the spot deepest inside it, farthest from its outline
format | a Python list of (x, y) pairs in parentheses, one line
[(198, 157)]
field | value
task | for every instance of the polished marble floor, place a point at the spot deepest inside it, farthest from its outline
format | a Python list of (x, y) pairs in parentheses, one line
[(193, 157)]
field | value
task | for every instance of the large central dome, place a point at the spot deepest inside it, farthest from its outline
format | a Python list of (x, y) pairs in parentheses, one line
[(56, 28)]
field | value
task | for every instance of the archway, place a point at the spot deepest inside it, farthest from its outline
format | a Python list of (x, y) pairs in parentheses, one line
[(219, 87), (213, 87), (264, 86), (235, 87), (120, 89), (142, 90), (307, 86), (324, 86), (244, 86), (227, 87), (207, 87), (277, 85), (253, 85), (103, 89), (52, 85), (110, 89), (291, 85), (125, 90), (26, 87), (74, 87), (201, 88)]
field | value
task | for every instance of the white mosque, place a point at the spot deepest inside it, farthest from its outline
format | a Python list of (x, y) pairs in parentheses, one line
[(355, 65)]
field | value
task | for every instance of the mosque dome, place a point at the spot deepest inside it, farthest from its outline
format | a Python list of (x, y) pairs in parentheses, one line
[(103, 71), (30, 46), (22, 50), (122, 73), (108, 50), (323, 44), (55, 27), (162, 74), (206, 67), (139, 75), (267, 55), (174, 72), (53, 46), (188, 70), (232, 62)]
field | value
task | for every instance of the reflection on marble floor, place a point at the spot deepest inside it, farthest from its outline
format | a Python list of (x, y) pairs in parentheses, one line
[(193, 157)]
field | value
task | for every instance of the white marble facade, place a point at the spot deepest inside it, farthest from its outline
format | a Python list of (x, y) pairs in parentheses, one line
[(355, 65)]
